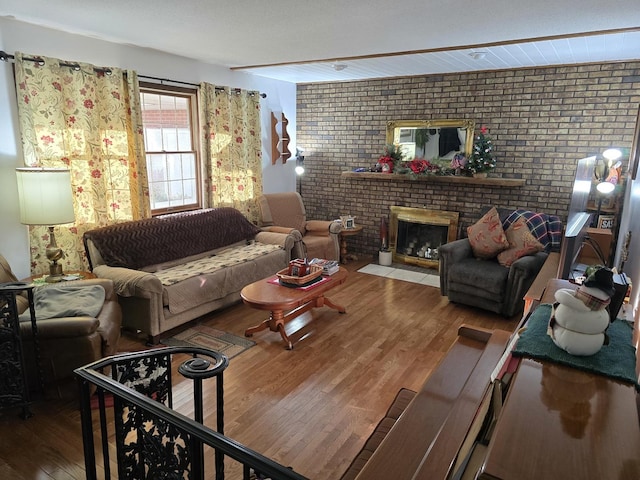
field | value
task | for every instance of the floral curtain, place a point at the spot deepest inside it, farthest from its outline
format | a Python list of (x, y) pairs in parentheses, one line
[(89, 121), (232, 146)]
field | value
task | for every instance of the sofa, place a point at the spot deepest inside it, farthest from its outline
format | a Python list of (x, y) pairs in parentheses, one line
[(171, 269), (485, 282), (284, 212), (66, 342)]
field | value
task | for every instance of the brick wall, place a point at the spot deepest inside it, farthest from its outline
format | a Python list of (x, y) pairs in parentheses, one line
[(541, 121)]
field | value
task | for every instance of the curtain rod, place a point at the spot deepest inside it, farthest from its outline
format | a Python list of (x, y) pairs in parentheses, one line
[(219, 89), (5, 57)]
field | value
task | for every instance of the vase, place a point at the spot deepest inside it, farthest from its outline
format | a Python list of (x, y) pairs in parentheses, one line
[(480, 175), (385, 258)]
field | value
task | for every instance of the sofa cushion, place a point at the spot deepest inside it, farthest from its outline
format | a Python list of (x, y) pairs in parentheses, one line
[(200, 289), (486, 236), (137, 244), (224, 258), (521, 243), (400, 403), (490, 280)]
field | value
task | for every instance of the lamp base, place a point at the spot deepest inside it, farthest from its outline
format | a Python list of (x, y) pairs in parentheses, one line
[(55, 273)]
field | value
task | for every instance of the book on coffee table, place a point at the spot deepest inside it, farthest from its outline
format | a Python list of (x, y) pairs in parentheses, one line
[(329, 267)]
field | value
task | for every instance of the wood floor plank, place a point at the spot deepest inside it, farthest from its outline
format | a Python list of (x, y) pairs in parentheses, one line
[(311, 408)]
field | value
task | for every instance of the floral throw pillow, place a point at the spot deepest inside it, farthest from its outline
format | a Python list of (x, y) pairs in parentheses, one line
[(521, 243), (486, 236)]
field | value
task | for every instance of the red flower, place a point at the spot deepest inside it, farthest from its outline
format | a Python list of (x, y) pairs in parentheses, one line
[(88, 104), (79, 190), (107, 142), (46, 139), (238, 139), (65, 160), (241, 188), (57, 86), (72, 119), (26, 99), (483, 130), (96, 173), (116, 95)]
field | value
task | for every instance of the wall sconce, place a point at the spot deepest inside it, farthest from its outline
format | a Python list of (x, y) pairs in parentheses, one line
[(299, 161), (299, 168), (45, 198)]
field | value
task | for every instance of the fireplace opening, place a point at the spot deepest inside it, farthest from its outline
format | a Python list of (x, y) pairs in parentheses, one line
[(416, 234)]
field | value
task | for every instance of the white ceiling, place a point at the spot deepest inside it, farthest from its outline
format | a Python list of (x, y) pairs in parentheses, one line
[(302, 40)]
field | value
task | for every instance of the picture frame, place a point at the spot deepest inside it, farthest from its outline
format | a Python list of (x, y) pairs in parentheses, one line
[(608, 202), (348, 221), (606, 222)]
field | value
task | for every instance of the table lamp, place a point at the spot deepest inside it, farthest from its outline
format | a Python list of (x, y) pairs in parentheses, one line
[(45, 198)]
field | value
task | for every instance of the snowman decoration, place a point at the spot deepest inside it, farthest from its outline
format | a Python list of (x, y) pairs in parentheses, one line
[(579, 319)]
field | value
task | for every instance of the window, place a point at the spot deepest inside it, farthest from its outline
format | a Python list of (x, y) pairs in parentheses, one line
[(169, 118)]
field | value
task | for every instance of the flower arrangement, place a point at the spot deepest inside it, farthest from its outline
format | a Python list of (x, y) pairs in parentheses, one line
[(420, 165), (481, 159), (391, 157)]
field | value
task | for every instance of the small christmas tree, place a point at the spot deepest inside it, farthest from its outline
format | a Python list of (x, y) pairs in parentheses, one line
[(481, 159)]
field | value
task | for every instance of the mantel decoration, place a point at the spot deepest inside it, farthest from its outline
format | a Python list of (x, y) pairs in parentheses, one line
[(481, 159), (477, 164), (391, 157), (392, 161)]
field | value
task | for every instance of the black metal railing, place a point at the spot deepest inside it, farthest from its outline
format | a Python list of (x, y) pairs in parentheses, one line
[(151, 439)]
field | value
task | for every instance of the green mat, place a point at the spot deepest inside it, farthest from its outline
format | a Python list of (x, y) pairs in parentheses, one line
[(616, 360)]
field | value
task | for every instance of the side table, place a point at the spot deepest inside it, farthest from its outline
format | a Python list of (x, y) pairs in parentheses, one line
[(67, 277), (13, 377), (344, 233)]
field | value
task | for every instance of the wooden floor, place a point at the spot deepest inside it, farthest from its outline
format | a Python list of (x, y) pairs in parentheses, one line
[(311, 408)]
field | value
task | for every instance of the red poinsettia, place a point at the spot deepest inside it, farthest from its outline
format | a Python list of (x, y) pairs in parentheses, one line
[(420, 165)]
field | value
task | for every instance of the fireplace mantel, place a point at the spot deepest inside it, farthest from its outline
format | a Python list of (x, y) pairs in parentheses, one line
[(390, 177)]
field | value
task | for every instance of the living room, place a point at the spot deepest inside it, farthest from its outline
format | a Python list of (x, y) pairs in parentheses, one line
[(542, 121)]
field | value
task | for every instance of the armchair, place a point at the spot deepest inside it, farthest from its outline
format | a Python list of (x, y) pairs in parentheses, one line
[(67, 343), (485, 283), (283, 212)]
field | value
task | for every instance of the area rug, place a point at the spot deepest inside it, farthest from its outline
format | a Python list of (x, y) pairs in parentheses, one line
[(405, 273), (207, 337)]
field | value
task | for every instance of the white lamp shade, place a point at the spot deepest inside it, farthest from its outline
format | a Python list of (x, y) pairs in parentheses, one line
[(605, 187), (45, 196)]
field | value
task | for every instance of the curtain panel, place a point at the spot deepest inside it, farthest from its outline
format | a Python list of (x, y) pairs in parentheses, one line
[(232, 148), (90, 122)]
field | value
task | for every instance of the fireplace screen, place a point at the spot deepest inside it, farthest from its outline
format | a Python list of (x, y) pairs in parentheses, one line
[(416, 234)]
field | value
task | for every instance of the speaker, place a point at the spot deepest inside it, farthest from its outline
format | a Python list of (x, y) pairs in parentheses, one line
[(620, 285)]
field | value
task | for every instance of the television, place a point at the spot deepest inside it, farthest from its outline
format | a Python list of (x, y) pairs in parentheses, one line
[(572, 241), (578, 220)]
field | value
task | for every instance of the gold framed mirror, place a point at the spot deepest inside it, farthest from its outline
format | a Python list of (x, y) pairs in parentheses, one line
[(431, 139)]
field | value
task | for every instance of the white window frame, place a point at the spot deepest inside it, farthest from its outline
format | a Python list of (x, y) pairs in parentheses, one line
[(191, 95)]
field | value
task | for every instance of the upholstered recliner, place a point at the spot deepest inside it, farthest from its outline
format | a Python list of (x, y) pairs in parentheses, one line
[(485, 283), (67, 343), (283, 212)]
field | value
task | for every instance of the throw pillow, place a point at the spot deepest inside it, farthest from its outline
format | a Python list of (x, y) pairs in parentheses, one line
[(486, 236), (521, 243)]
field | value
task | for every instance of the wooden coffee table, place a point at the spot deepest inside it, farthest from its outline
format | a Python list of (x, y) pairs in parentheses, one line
[(278, 300)]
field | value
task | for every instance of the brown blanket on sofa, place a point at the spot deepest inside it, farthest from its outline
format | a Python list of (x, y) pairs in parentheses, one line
[(154, 240)]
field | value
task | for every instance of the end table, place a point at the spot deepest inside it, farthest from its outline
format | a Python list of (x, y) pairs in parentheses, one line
[(344, 233)]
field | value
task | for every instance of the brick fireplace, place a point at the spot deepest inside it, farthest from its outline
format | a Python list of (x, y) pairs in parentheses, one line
[(415, 234)]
